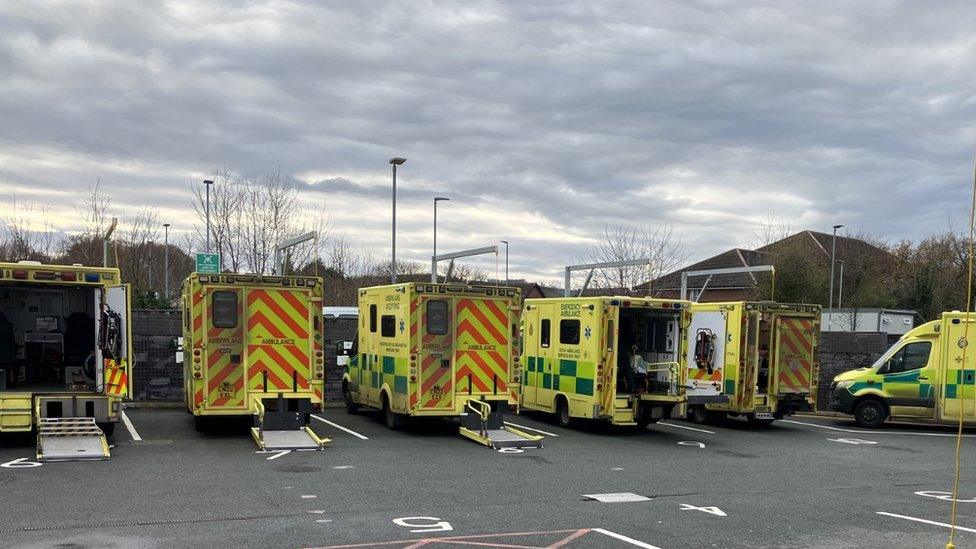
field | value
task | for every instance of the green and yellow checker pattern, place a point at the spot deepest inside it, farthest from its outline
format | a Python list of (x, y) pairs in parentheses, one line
[(960, 384), (568, 376)]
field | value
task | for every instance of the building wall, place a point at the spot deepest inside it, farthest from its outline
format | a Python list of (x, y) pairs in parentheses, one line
[(842, 351)]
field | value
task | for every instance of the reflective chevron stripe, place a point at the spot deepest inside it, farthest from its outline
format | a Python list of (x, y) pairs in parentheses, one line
[(795, 355)]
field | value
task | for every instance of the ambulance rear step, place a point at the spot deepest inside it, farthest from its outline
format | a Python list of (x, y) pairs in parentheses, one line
[(70, 439), (483, 426), (285, 426)]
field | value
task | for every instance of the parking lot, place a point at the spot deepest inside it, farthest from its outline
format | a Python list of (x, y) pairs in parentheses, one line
[(806, 482)]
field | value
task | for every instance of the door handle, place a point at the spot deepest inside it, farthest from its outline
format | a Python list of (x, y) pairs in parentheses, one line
[(920, 378)]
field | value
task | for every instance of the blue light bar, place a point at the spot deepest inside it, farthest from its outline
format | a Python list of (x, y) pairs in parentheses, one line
[(92, 277)]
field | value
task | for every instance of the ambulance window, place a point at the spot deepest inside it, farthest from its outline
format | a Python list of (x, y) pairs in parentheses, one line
[(437, 317), (610, 335), (372, 318), (911, 357), (544, 333), (569, 331), (388, 326), (224, 305)]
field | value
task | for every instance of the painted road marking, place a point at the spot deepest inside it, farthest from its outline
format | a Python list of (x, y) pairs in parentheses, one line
[(620, 497), (517, 426), (341, 428), (21, 463), (343, 466), (924, 521), (944, 496), (624, 538), (510, 450), (691, 443), (433, 524), (711, 509), (131, 428), (309, 496), (685, 427), (279, 454), (862, 432), (857, 441)]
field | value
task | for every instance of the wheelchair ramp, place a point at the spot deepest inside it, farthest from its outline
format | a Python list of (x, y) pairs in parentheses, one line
[(70, 439), (292, 439), (490, 429)]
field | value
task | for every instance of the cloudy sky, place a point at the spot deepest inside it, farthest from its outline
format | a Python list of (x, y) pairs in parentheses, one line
[(543, 121)]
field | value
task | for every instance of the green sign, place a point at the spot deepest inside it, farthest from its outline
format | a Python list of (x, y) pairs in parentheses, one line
[(208, 263)]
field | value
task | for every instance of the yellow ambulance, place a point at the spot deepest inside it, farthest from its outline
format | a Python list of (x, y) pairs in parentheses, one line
[(930, 373), (760, 357), (616, 359), (65, 356), (439, 350), (253, 347)]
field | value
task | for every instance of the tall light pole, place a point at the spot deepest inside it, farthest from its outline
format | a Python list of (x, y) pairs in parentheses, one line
[(433, 275), (108, 235), (840, 289), (505, 242), (395, 162), (166, 260), (833, 253), (207, 183)]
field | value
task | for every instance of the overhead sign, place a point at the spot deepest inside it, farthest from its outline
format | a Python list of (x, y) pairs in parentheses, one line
[(208, 263)]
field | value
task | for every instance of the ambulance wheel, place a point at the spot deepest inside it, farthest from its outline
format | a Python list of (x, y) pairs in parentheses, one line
[(562, 413), (391, 418), (351, 406), (644, 417), (699, 414), (870, 413), (107, 428)]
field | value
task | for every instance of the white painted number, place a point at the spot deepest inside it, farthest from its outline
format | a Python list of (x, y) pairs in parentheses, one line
[(944, 496), (692, 443), (21, 463), (852, 440), (712, 510), (430, 524)]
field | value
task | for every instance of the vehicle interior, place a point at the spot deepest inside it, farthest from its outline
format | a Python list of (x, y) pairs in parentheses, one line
[(764, 358), (47, 338), (652, 337)]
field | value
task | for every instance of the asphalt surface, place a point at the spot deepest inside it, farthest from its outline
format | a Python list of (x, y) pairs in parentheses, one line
[(814, 482)]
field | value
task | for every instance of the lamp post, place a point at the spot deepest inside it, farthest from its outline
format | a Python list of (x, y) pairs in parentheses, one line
[(108, 235), (840, 288), (394, 162), (166, 260), (833, 253), (505, 242), (207, 183), (433, 275)]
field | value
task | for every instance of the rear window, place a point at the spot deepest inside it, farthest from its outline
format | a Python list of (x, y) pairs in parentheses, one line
[(224, 305), (569, 331), (437, 317), (372, 318), (544, 333), (388, 326)]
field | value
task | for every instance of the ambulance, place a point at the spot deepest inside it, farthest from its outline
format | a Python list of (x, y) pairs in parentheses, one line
[(759, 357), (930, 373), (616, 359), (439, 350), (253, 347), (65, 356)]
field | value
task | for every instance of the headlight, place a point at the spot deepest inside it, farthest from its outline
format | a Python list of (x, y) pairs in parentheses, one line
[(843, 384)]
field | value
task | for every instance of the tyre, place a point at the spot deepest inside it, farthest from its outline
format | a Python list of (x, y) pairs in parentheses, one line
[(351, 406), (562, 413), (699, 414), (870, 413), (391, 418), (107, 428), (644, 417)]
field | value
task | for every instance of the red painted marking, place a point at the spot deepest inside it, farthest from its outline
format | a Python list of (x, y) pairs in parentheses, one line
[(283, 363), (461, 379), (466, 327), (297, 329), (299, 354), (216, 380), (296, 304), (487, 369), (258, 318), (499, 314), (464, 540), (484, 321)]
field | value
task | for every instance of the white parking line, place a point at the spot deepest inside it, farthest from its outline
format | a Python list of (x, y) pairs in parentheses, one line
[(128, 425), (676, 426), (341, 428), (863, 432), (517, 426), (625, 539), (279, 454), (924, 521)]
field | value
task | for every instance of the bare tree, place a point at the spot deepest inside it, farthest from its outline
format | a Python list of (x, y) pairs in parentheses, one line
[(771, 230), (664, 251), (28, 232)]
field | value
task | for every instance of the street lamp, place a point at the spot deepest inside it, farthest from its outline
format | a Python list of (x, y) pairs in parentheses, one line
[(833, 253), (840, 289), (108, 235), (505, 242), (166, 260), (395, 162), (207, 183), (433, 275)]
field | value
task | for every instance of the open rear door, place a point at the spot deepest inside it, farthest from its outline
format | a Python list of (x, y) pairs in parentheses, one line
[(794, 356), (706, 356), (115, 341)]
